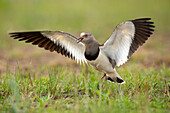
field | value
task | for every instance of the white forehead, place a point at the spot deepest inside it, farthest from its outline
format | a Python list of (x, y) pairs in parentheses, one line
[(84, 33)]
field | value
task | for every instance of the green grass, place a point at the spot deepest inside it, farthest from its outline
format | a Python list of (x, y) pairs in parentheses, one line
[(35, 80), (62, 90)]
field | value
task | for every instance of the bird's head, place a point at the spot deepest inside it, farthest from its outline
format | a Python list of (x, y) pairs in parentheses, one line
[(85, 37)]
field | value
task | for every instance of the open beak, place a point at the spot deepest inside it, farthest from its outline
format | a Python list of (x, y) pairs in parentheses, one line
[(80, 39)]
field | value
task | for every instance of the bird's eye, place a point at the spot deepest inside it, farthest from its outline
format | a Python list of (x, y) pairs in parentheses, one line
[(85, 35)]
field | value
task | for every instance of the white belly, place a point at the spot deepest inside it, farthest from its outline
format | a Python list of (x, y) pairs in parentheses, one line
[(102, 63)]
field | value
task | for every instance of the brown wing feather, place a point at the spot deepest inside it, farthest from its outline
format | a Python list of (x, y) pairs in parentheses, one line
[(36, 38), (143, 30)]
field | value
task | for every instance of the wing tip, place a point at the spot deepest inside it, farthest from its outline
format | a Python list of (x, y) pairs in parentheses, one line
[(143, 19), (23, 32), (145, 22), (13, 34)]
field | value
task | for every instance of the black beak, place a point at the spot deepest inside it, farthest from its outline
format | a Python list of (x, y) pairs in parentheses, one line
[(80, 39)]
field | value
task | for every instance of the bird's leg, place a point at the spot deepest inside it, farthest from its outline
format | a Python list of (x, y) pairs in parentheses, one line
[(101, 79), (103, 76)]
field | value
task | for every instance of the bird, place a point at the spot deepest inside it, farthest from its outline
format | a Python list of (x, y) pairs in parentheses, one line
[(122, 43)]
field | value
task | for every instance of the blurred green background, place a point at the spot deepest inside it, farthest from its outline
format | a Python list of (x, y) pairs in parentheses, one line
[(35, 80), (75, 16)]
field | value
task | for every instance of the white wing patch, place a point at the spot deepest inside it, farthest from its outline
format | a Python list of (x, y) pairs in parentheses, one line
[(118, 45), (67, 42)]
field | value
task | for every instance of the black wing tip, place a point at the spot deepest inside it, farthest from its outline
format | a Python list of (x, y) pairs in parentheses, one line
[(17, 35), (152, 26), (13, 34), (144, 28), (58, 48), (143, 19), (24, 32), (146, 21)]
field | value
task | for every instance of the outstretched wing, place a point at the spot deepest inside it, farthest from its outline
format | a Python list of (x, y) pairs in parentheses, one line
[(59, 41), (126, 38)]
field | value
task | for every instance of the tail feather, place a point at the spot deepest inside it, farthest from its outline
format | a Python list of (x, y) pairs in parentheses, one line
[(115, 77)]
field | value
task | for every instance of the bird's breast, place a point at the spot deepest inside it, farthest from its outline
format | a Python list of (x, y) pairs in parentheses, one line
[(101, 63), (91, 55)]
